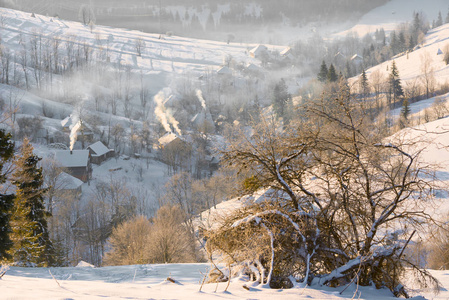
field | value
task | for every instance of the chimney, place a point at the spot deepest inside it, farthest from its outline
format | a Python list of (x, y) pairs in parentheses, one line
[(71, 152)]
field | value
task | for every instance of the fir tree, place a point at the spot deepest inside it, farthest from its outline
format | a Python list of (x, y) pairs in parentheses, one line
[(332, 74), (405, 113), (6, 201), (322, 75), (439, 21), (394, 43), (364, 85), (396, 90), (31, 242), (280, 98), (405, 110)]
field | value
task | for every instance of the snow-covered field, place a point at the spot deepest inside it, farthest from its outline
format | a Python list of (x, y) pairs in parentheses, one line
[(159, 53), (150, 282)]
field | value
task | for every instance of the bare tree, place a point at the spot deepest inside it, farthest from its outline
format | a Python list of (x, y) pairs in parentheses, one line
[(340, 191), (427, 74)]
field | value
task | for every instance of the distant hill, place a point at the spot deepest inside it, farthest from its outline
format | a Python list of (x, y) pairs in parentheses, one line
[(198, 18)]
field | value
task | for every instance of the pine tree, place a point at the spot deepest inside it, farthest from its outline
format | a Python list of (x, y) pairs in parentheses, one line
[(364, 85), (322, 75), (405, 113), (396, 90), (31, 242), (332, 74), (439, 20), (6, 201), (394, 43), (280, 98)]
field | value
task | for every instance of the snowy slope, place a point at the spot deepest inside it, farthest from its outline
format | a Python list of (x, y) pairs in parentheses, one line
[(160, 53), (410, 65), (395, 12)]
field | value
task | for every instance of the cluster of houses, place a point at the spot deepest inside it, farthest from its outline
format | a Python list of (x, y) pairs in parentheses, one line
[(77, 164), (263, 54)]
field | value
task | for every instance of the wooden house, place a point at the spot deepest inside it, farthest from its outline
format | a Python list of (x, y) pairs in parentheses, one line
[(99, 152), (76, 162)]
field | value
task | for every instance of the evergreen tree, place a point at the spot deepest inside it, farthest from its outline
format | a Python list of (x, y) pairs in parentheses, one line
[(396, 90), (280, 98), (332, 74), (6, 201), (31, 242), (405, 113), (364, 85), (394, 43), (405, 110), (401, 42), (439, 21), (322, 75)]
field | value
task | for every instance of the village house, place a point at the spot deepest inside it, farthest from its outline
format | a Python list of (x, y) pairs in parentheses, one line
[(99, 152), (76, 162), (259, 51), (68, 183)]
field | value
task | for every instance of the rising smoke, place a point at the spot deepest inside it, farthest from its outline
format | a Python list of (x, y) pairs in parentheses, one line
[(199, 94), (164, 115), (74, 127)]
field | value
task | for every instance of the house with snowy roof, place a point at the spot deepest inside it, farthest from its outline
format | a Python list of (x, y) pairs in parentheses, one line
[(357, 59), (224, 71), (99, 152), (76, 162), (170, 139), (203, 121), (69, 183), (258, 51), (287, 54)]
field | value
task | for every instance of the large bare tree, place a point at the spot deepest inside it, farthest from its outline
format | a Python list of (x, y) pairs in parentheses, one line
[(345, 199)]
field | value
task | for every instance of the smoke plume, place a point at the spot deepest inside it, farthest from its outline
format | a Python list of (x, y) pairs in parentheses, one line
[(74, 127), (199, 94), (164, 115)]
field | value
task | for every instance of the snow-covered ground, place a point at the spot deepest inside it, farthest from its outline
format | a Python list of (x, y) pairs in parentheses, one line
[(159, 53), (150, 282)]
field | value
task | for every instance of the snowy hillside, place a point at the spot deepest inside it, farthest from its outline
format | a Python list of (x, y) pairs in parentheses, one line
[(159, 53), (395, 12), (410, 65)]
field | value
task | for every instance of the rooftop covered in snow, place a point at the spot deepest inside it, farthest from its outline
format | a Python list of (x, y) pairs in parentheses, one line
[(73, 159), (99, 148)]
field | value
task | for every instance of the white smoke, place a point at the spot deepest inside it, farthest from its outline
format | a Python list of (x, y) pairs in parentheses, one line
[(74, 127), (164, 115), (199, 94), (159, 111)]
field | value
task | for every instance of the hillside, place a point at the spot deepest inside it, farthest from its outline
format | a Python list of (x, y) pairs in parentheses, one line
[(393, 13)]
